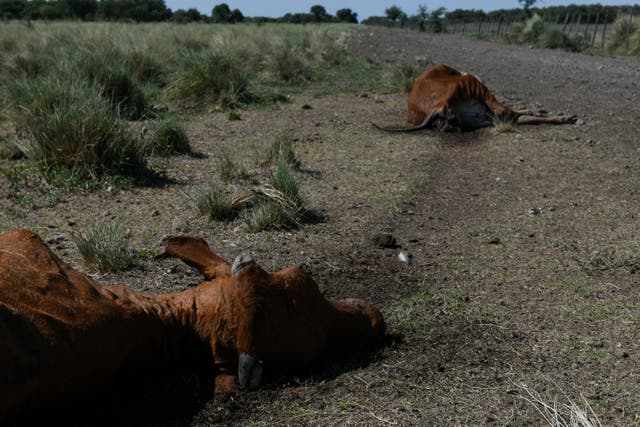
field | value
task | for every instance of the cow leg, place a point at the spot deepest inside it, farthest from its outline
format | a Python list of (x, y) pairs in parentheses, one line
[(196, 253), (537, 120)]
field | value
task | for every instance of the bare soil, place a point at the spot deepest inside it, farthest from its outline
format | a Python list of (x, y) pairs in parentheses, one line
[(524, 245)]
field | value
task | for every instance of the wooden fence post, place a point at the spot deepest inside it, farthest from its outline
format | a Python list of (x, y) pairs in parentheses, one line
[(604, 29), (595, 29)]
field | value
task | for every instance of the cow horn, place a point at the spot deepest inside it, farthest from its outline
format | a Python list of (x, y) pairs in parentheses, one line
[(249, 371), (241, 262)]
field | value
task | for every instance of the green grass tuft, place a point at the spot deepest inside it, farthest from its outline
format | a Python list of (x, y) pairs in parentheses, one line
[(214, 203), (106, 247), (169, 138)]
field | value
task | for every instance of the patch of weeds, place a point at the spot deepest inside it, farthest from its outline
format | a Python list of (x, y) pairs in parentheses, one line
[(233, 115), (610, 259), (228, 170), (214, 203), (9, 150), (169, 138), (501, 125), (412, 314), (403, 76), (106, 247), (209, 78), (281, 149), (561, 411)]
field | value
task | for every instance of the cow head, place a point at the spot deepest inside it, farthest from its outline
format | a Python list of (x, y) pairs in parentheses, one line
[(276, 320)]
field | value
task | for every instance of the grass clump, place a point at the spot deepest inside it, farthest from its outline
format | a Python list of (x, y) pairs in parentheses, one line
[(210, 78), (68, 124), (233, 115), (280, 150), (288, 64), (9, 150), (106, 247), (501, 125), (229, 170), (169, 138), (554, 38), (403, 76), (285, 182), (277, 205), (215, 204), (270, 214), (625, 37)]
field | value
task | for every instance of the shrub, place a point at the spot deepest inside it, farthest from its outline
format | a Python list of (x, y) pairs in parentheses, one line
[(556, 39), (105, 247), (533, 29), (208, 78), (623, 30), (67, 123), (281, 149), (169, 138)]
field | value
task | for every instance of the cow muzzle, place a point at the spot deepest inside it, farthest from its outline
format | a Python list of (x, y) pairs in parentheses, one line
[(249, 371), (241, 262)]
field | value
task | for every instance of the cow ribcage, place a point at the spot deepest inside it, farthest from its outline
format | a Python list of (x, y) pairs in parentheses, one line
[(470, 113)]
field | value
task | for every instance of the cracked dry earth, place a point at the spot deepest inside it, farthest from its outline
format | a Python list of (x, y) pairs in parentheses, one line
[(525, 267)]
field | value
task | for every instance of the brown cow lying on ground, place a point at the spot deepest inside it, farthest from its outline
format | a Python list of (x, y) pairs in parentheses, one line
[(63, 334), (446, 99)]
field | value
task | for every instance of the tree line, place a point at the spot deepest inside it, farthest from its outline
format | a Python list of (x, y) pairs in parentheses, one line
[(149, 11), (433, 21)]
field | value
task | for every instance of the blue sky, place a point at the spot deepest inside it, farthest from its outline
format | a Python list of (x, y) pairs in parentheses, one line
[(276, 8)]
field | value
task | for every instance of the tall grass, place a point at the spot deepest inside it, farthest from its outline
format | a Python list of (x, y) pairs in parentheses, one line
[(67, 88)]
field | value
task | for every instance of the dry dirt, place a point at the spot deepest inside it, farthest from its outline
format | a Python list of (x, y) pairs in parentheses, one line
[(495, 297)]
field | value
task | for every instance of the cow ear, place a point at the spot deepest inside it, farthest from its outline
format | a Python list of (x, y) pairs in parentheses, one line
[(196, 253)]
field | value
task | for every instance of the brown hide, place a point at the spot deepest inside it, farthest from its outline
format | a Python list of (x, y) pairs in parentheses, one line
[(446, 99), (64, 334)]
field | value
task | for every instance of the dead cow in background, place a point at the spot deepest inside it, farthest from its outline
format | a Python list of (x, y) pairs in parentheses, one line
[(446, 99), (63, 334)]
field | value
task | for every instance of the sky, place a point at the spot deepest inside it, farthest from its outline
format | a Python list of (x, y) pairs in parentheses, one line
[(366, 8)]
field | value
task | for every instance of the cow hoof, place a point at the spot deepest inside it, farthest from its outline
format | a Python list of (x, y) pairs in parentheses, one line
[(249, 371), (241, 262)]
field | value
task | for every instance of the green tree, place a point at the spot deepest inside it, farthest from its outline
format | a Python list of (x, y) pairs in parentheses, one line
[(221, 13), (526, 5), (12, 9), (319, 13), (236, 16), (346, 15), (394, 13)]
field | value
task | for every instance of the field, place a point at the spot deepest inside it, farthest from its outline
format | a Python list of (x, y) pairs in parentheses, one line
[(524, 244)]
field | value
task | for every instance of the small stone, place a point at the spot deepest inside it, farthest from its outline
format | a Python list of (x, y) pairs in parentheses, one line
[(173, 269), (160, 109), (155, 212), (307, 107), (535, 211), (625, 354)]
